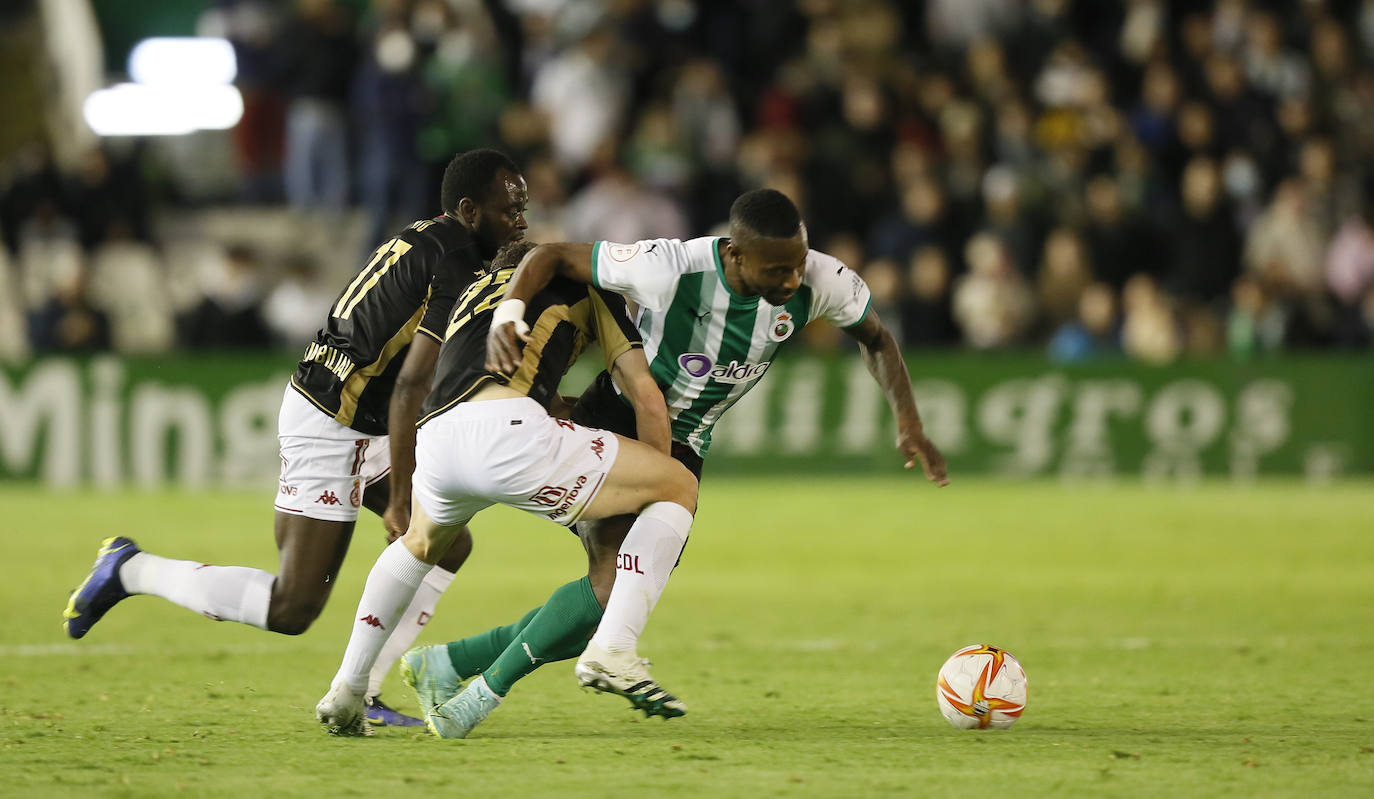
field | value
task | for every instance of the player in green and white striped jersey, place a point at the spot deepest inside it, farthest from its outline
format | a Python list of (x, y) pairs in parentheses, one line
[(713, 313), (708, 343)]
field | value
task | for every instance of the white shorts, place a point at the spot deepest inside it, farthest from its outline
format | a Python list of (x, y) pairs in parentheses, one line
[(511, 452), (325, 466)]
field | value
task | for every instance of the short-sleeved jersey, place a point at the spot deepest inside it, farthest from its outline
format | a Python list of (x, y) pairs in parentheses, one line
[(564, 318), (707, 345), (407, 287)]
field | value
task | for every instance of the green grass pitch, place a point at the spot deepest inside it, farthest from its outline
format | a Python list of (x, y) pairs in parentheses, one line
[(1206, 641)]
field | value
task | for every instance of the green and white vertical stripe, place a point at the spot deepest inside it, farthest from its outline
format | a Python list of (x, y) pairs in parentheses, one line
[(706, 318)]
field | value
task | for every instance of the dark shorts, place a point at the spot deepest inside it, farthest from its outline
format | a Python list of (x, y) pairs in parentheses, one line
[(600, 406)]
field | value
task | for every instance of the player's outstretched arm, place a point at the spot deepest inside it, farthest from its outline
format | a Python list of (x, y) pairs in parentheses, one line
[(412, 386), (884, 360), (631, 373), (536, 270)]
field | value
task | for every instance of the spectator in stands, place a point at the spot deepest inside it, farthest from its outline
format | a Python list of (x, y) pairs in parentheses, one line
[(585, 93), (28, 181), (318, 53), (1206, 252), (129, 284), (1093, 332), (465, 83), (918, 221), (927, 313), (49, 255), (67, 323), (386, 103), (992, 304), (102, 193), (1063, 275), (14, 337), (1149, 331), (1153, 120), (294, 307), (229, 316), (618, 207), (1119, 245), (1350, 271), (1284, 249), (884, 281), (705, 117), (1254, 324), (1006, 219), (252, 27)]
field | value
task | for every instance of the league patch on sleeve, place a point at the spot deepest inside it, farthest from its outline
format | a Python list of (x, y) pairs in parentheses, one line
[(621, 253)]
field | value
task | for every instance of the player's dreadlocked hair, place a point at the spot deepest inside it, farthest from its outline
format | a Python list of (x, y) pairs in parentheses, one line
[(766, 212), (470, 175)]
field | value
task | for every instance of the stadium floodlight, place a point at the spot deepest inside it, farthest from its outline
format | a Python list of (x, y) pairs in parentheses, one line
[(133, 109), (183, 61)]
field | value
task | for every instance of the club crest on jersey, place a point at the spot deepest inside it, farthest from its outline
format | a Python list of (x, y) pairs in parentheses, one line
[(782, 326), (698, 364)]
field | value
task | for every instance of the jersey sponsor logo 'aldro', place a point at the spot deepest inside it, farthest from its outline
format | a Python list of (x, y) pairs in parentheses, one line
[(699, 364)]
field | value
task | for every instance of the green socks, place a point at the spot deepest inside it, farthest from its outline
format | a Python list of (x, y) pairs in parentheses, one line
[(557, 631), (474, 654)]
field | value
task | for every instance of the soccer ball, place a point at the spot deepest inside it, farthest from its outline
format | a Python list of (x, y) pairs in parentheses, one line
[(981, 686)]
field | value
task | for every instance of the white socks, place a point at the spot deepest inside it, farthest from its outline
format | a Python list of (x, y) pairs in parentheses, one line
[(391, 586), (646, 558), (222, 593), (408, 628), (242, 594)]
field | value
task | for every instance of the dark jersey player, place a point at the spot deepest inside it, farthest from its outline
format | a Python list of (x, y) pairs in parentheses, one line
[(346, 429), (486, 438)]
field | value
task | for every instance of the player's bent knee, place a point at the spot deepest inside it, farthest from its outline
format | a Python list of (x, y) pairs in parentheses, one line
[(681, 487), (457, 552), (292, 617), (431, 546)]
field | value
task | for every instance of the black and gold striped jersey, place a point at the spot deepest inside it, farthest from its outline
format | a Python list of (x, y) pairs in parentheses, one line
[(563, 318), (408, 287)]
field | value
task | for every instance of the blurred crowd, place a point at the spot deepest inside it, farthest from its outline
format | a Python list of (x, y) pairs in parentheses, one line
[(1142, 178)]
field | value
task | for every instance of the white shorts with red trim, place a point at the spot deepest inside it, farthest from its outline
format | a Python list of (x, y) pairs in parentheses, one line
[(508, 452), (325, 466)]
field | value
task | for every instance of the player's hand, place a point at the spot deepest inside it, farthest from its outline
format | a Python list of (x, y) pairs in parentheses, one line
[(919, 448), (561, 406), (504, 343), (396, 520)]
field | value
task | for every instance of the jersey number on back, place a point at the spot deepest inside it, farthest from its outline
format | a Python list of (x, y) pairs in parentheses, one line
[(482, 295), (383, 259)]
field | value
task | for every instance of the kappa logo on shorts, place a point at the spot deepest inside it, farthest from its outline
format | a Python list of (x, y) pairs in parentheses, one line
[(328, 498), (372, 620), (598, 448)]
